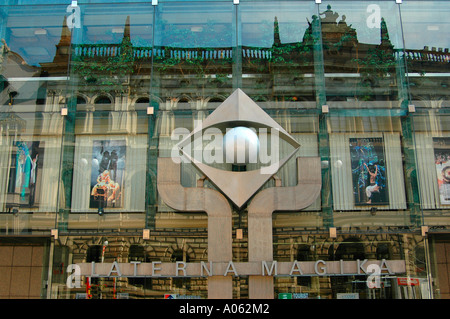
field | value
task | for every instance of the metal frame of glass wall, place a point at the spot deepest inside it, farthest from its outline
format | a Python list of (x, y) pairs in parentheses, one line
[(353, 82)]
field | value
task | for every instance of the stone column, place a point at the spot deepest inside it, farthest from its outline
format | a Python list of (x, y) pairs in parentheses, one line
[(260, 241), (196, 199)]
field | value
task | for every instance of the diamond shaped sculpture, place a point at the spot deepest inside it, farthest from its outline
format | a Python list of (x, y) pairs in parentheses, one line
[(239, 109)]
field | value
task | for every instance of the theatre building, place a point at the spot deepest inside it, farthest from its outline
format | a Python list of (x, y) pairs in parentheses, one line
[(232, 149)]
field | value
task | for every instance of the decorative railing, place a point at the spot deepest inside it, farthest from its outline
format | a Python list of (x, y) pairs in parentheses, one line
[(113, 50), (428, 55), (97, 50), (432, 57)]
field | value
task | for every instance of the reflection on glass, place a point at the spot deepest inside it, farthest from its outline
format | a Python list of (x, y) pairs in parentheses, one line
[(427, 41), (361, 44), (111, 56), (278, 41), (34, 56), (93, 169), (194, 51)]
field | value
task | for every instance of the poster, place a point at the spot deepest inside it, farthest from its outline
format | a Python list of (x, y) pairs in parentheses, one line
[(442, 161), (24, 183), (368, 171), (107, 174)]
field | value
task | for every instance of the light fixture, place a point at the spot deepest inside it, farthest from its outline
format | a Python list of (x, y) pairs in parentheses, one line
[(333, 232), (40, 32), (424, 230), (196, 29), (54, 233), (118, 30), (433, 28)]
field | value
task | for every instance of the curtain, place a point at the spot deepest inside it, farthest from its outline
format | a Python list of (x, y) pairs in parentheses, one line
[(341, 171), (134, 177), (47, 178), (426, 169), (5, 158), (50, 174)]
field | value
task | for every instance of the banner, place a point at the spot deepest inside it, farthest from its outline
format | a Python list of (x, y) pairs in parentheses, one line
[(442, 161), (368, 171), (25, 174), (107, 174)]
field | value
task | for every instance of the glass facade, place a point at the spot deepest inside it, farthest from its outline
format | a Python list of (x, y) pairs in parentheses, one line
[(93, 93)]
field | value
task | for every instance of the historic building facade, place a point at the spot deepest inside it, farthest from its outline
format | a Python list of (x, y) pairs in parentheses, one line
[(224, 149)]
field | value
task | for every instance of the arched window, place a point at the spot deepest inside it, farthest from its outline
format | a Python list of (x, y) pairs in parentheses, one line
[(137, 253), (383, 251), (350, 249), (81, 100), (304, 254), (142, 100), (102, 100), (216, 100), (94, 254), (181, 282), (420, 259)]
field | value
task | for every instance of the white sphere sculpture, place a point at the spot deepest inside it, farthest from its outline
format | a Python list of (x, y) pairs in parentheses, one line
[(241, 145)]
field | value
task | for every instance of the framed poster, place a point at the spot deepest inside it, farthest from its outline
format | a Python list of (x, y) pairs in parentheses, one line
[(25, 175), (441, 147), (368, 171), (107, 173)]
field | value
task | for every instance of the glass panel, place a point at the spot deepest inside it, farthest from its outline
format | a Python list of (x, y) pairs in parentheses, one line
[(372, 167), (105, 249), (34, 58), (432, 141), (33, 70), (112, 56), (106, 133), (93, 93), (427, 43), (192, 66), (278, 41), (192, 74), (278, 50), (428, 60), (347, 284), (362, 49), (30, 150), (371, 158)]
